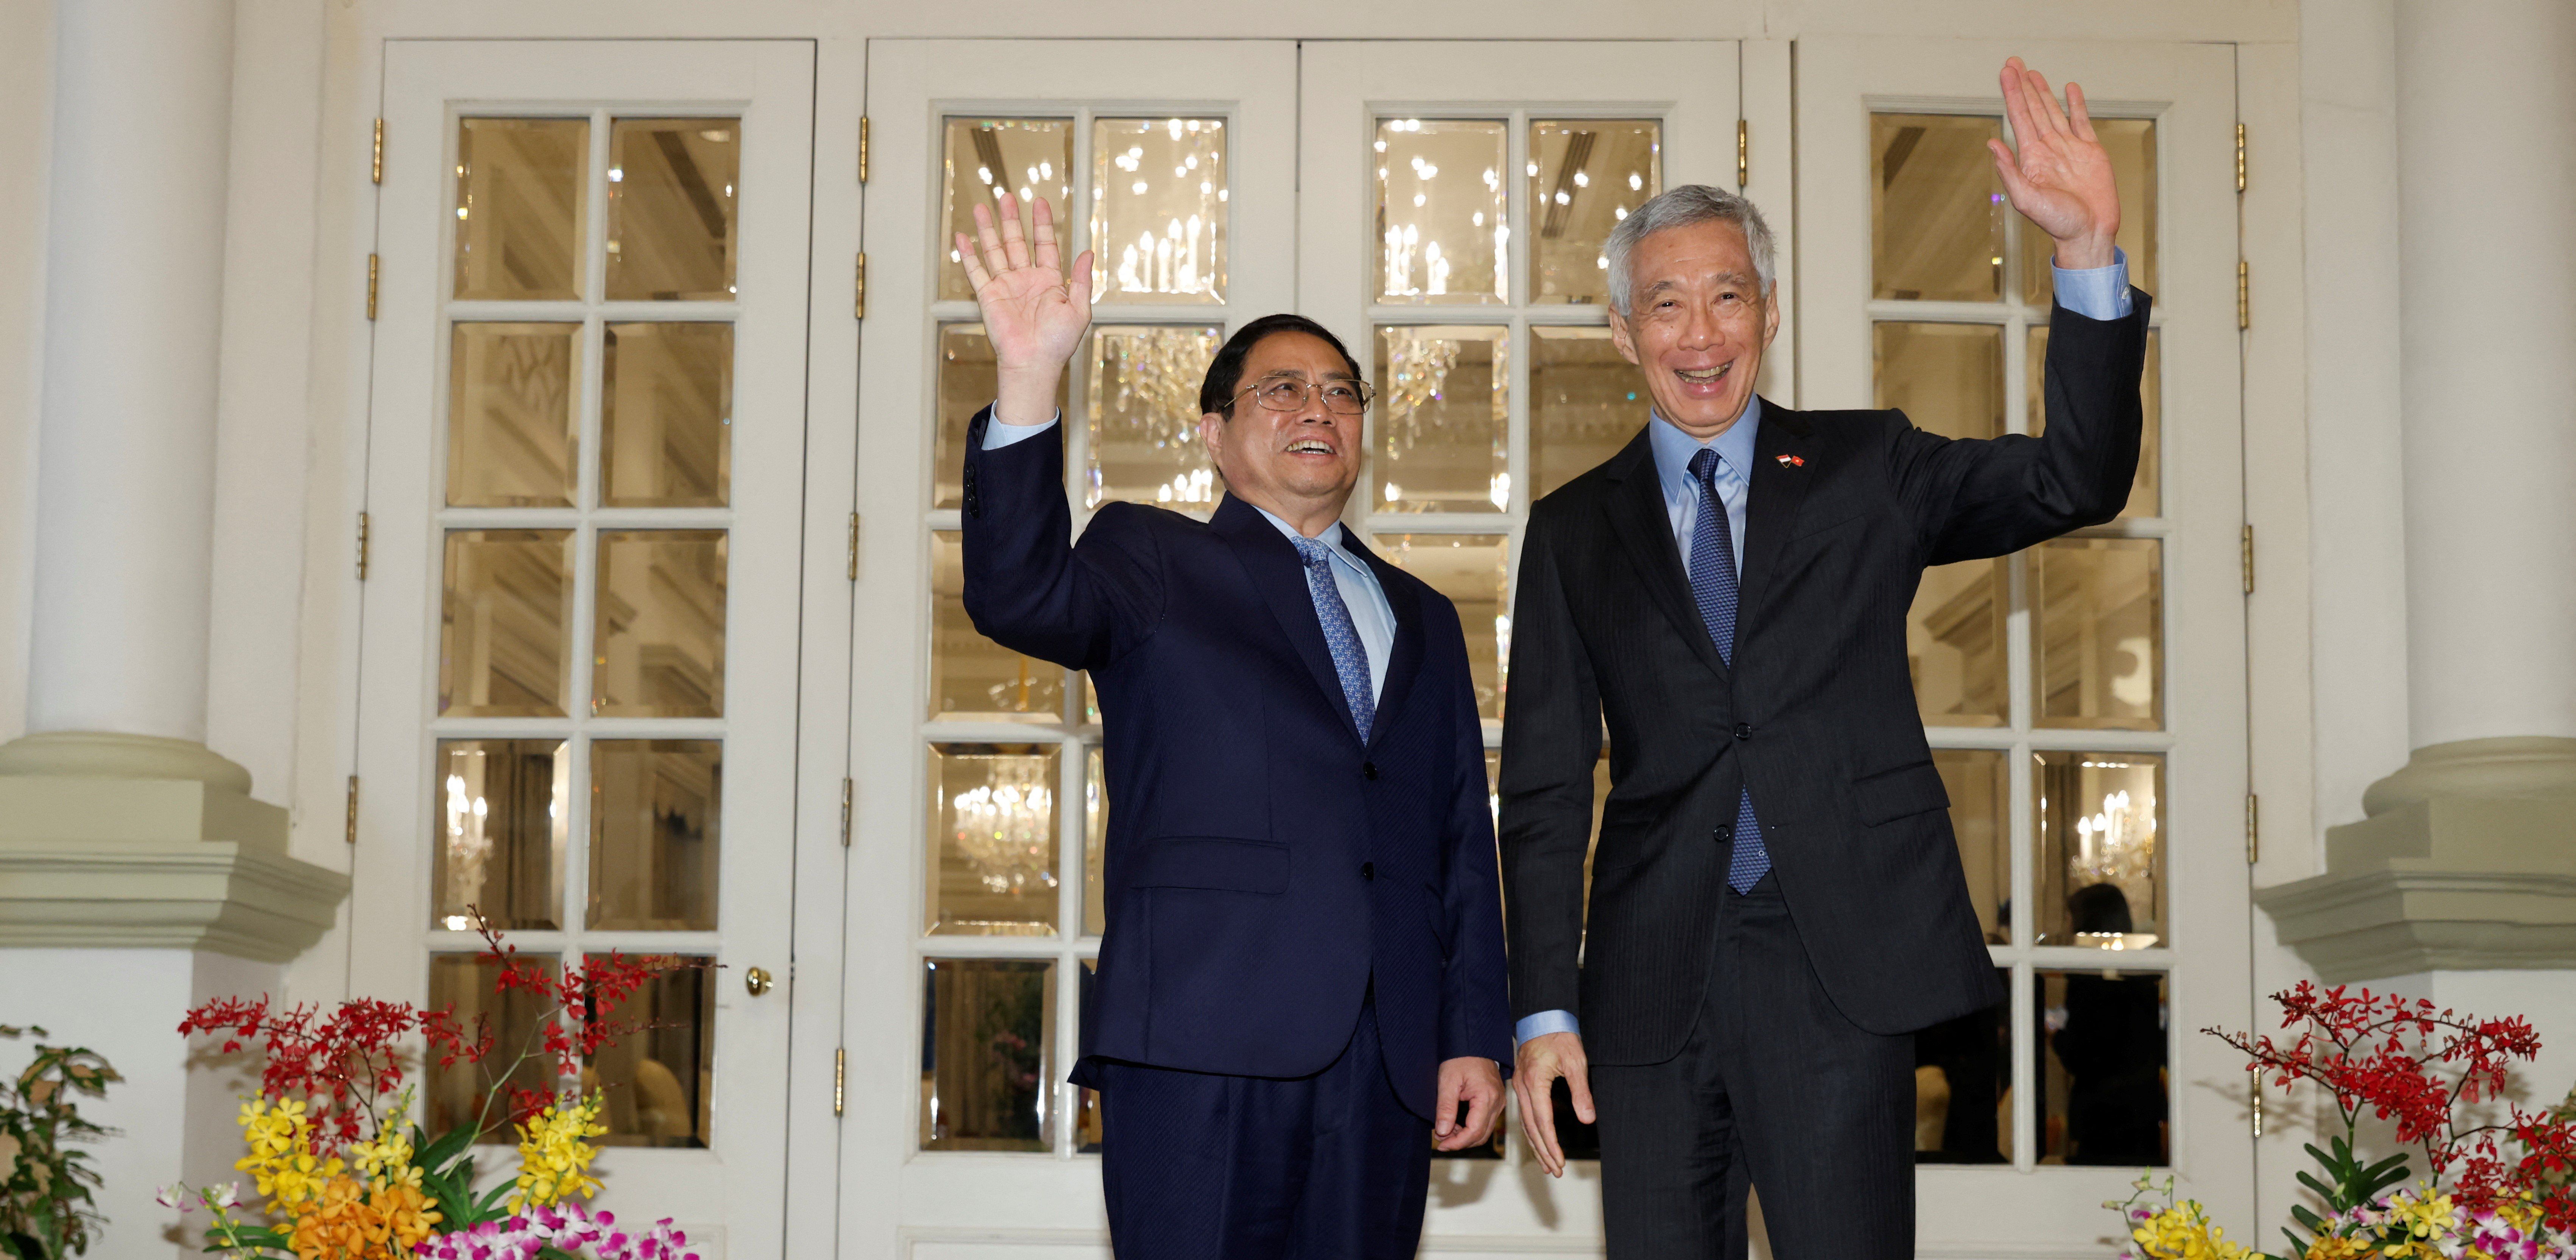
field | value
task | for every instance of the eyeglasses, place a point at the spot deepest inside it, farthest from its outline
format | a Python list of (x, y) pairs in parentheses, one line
[(1342, 398)]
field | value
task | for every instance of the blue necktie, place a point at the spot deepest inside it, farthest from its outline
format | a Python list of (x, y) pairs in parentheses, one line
[(1712, 578), (1350, 656)]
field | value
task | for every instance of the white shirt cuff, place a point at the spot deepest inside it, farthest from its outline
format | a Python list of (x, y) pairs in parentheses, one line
[(1543, 1023), (998, 434), (2096, 292)]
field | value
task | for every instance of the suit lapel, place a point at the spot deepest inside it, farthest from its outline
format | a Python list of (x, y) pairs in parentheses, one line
[(1778, 484), (1280, 576), (1645, 526), (1404, 659)]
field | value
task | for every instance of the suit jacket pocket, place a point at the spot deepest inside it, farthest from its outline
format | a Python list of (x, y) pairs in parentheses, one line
[(1253, 866), (1898, 793)]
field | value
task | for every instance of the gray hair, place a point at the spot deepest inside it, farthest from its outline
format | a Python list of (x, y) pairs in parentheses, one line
[(1682, 207)]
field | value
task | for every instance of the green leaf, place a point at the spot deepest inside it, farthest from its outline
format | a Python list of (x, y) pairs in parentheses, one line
[(2297, 1246), (2309, 1180), (2300, 1213), (444, 1149)]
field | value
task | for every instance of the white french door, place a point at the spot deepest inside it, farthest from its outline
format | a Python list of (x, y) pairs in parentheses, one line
[(585, 460), (2086, 698)]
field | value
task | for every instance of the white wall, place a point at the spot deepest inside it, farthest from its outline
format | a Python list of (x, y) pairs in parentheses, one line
[(27, 96)]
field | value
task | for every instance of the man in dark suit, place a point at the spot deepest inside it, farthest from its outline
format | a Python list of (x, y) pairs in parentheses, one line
[(1302, 979), (1776, 901)]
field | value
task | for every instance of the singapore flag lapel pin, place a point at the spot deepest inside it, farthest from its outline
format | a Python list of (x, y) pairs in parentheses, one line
[(1793, 461)]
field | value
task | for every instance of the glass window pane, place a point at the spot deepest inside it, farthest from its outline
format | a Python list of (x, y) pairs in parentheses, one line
[(985, 157), (1963, 1086), (1443, 419), (1095, 844), (656, 1078), (513, 420), (1144, 406), (2101, 870), (987, 1055), (1979, 782), (658, 640), (455, 1094), (504, 641), (1954, 644), (1947, 378), (521, 185), (992, 840), (1158, 199), (1585, 175), (1584, 404), (973, 678), (2131, 142), (1441, 211), (968, 382), (2146, 492), (2102, 1068), (1936, 209), (655, 809), (1086, 1121), (503, 806), (666, 415), (1474, 571), (2100, 642), (671, 208)]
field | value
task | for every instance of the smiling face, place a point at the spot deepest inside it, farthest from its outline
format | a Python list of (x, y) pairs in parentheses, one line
[(1697, 324), (1299, 464)]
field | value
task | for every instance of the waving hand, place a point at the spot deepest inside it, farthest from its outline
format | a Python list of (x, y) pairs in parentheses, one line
[(2060, 178), (1033, 314)]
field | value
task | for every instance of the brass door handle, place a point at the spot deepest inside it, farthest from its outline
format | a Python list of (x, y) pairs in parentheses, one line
[(756, 980)]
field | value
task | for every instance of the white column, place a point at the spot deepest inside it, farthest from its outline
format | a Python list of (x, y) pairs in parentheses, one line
[(2486, 119), (125, 466)]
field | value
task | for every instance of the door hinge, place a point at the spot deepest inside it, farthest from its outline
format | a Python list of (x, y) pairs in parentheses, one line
[(362, 546), (2240, 157), (2244, 297), (1743, 154), (840, 1076), (376, 161), (859, 290), (2246, 558), (863, 153), (353, 809), (854, 546), (846, 789), (371, 286), (2257, 1078), (2253, 829)]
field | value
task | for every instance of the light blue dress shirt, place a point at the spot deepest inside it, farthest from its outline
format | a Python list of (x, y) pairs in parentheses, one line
[(1371, 614), (2095, 293)]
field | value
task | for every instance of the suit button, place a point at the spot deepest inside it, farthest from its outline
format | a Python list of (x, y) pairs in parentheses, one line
[(1368, 870), (1744, 730), (1368, 771), (1722, 834)]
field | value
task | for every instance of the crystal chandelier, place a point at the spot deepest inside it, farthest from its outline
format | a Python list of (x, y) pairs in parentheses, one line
[(1003, 825)]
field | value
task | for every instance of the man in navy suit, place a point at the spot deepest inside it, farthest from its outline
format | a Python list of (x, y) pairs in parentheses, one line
[(1302, 980)]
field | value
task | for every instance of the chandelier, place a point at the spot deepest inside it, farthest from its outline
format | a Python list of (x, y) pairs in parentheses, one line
[(1003, 825)]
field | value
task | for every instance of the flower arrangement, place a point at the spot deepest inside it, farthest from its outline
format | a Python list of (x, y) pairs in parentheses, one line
[(46, 1210), (2499, 1183), (342, 1172)]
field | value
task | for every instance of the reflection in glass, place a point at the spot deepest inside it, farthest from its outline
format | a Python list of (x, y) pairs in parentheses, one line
[(671, 208), (2100, 639), (2145, 493), (655, 805), (1442, 211), (658, 640), (985, 157), (1946, 378), (968, 382), (1585, 175), (1443, 419), (992, 840), (1979, 783), (1474, 571), (1936, 208), (1963, 1087), (2102, 1075), (657, 1079), (1954, 644), (513, 426), (504, 631), (520, 190), (1144, 408), (1095, 844), (2131, 142), (1584, 404), (2101, 870), (988, 1074), (1158, 199), (502, 809), (666, 415), (453, 1095), (973, 678)]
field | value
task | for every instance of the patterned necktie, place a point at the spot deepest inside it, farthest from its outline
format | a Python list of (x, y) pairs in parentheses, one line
[(1712, 579), (1350, 656)]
